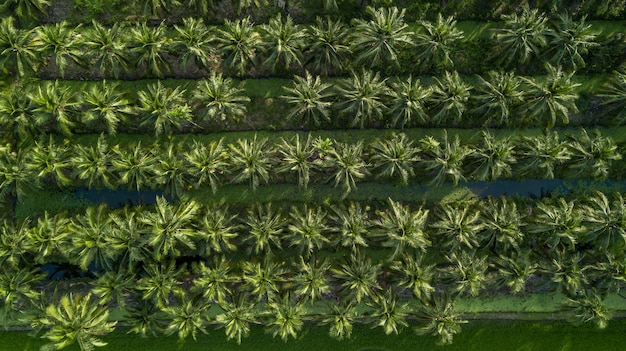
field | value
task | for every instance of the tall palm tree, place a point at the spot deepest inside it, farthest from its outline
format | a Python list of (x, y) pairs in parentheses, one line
[(515, 271), (171, 171), (193, 41), (605, 222), (50, 162), (363, 98), (328, 49), (352, 226), (403, 229), (357, 276), (449, 99), (265, 228), (613, 93), (221, 98), (395, 156), (523, 37), (75, 319), (283, 41), (312, 280), (307, 230), (50, 239), (161, 282), (263, 278), (56, 43), (459, 226), (568, 271), (568, 41), (114, 286), (106, 48), (557, 224), (346, 161), (497, 97), (105, 105), (17, 50), (89, 232), (436, 42), (592, 155), (55, 106), (341, 318), (543, 154), (493, 158), (503, 225), (17, 177), (163, 108), (444, 161), (145, 318), (410, 272), (553, 99), (187, 317), (19, 289), (238, 44), (14, 244), (309, 99), (216, 231), (134, 166), (251, 161), (286, 317), (149, 45), (297, 157), (467, 272), (408, 103), (129, 238), (25, 9), (440, 318), (376, 42), (206, 163), (214, 279), (237, 317), (389, 313), (17, 114)]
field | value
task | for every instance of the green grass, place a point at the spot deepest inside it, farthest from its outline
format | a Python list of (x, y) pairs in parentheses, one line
[(496, 335)]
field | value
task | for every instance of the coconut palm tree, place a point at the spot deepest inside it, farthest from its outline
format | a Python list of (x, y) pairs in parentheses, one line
[(557, 224), (106, 48), (56, 43), (246, 4), (543, 154), (402, 229), (328, 49), (216, 230), (346, 161), (19, 289), (149, 45), (161, 282), (157, 7), (206, 163), (514, 271), (408, 103), (17, 114), (17, 177), (202, 6), (568, 41), (170, 170), (134, 166), (296, 156), (105, 106), (592, 155), (357, 276), (145, 318), (388, 312), (588, 307), (286, 317), (14, 244), (307, 230), (458, 226), (193, 41), (237, 317), (169, 227), (503, 225), (352, 225), (265, 228), (376, 42), (25, 9), (613, 93), (54, 106), (89, 232), (363, 98), (283, 41), (129, 238), (251, 161), (312, 280), (445, 162), (309, 99), (493, 159), (449, 99), (395, 156), (187, 317), (18, 53), (440, 318), (341, 318), (497, 97), (114, 286), (163, 108), (605, 222), (238, 44), (553, 99), (410, 272), (436, 42), (213, 279), (75, 319), (263, 278), (568, 271), (50, 162), (221, 98), (523, 37), (50, 239), (467, 272)]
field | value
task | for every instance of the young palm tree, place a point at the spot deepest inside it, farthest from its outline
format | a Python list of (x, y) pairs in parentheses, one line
[(170, 171), (145, 318), (358, 276), (265, 229), (410, 272), (238, 44), (161, 282), (163, 108), (592, 155), (307, 230), (213, 279), (216, 231), (376, 42), (502, 224), (568, 271), (514, 271), (193, 42), (493, 159), (568, 41), (449, 99), (467, 272), (134, 166), (25, 9), (251, 161), (408, 103), (17, 177), (75, 319), (442, 321), (50, 239), (352, 226), (262, 279), (236, 319), (54, 106), (557, 225), (309, 99), (106, 48), (363, 98), (170, 227), (613, 93), (341, 318), (18, 53), (497, 97), (105, 106), (17, 114), (206, 163), (296, 156), (328, 49), (541, 155), (187, 317), (389, 313), (19, 289), (445, 162), (437, 41), (589, 307), (395, 156), (283, 41), (14, 244), (523, 37), (459, 226), (50, 162), (346, 161), (89, 232), (403, 229), (286, 317), (129, 238), (553, 99), (149, 45), (605, 222), (221, 98), (114, 286), (312, 280), (56, 43)]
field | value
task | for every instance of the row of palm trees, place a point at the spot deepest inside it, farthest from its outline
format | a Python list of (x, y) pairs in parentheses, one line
[(328, 47), (178, 166)]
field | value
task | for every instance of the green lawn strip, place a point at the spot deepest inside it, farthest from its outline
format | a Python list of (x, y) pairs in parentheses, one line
[(493, 335)]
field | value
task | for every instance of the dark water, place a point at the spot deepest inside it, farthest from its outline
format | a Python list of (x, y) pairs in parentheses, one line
[(536, 188), (120, 197)]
